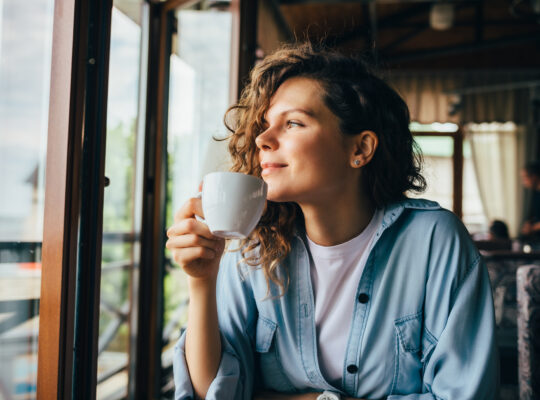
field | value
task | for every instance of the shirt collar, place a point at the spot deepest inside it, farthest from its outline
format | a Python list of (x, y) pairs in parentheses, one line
[(394, 210), (391, 213)]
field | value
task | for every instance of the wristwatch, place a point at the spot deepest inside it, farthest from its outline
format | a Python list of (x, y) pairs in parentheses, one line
[(328, 395)]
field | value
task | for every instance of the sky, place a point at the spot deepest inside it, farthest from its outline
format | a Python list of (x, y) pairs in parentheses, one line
[(25, 43), (25, 59)]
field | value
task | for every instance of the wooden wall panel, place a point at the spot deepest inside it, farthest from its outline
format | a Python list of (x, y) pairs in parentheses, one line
[(68, 326), (59, 243)]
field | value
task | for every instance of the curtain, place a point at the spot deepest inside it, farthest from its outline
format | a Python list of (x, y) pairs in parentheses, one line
[(493, 99), (495, 153), (423, 91), (474, 99), (431, 98)]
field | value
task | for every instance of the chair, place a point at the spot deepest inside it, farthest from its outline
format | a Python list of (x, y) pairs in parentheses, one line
[(528, 297), (494, 244)]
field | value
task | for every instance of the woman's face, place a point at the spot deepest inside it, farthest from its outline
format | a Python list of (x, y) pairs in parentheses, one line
[(304, 156), (529, 181)]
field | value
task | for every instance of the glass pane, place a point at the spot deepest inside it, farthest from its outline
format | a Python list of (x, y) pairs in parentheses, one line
[(438, 168), (434, 127), (120, 228), (493, 149), (474, 216), (25, 61), (198, 99)]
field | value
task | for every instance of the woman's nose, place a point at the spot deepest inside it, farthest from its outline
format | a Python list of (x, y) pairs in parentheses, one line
[(266, 140)]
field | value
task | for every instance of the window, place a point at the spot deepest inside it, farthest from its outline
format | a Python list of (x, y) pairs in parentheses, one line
[(92, 328), (495, 148), (121, 228), (198, 98), (25, 61), (438, 168), (450, 172)]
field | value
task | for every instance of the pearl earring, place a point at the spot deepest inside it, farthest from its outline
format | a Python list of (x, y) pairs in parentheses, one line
[(357, 162)]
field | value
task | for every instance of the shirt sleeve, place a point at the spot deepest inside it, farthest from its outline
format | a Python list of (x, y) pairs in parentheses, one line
[(459, 348), (237, 316)]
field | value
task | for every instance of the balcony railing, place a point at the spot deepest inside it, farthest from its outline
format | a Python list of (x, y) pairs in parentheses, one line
[(15, 257)]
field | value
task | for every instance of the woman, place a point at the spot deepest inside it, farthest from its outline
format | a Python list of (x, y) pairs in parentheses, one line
[(530, 178), (346, 286)]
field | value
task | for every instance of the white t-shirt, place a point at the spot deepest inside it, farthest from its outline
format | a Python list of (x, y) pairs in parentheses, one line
[(335, 275)]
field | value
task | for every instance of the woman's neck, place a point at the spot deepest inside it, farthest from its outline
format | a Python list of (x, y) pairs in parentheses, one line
[(337, 220)]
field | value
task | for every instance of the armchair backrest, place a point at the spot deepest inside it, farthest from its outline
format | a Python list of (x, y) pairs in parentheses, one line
[(528, 296)]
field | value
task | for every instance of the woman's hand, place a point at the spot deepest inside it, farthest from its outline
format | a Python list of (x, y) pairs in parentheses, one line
[(198, 252), (193, 246), (283, 396)]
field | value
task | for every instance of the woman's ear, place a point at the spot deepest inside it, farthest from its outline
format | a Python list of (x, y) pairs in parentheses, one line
[(364, 146)]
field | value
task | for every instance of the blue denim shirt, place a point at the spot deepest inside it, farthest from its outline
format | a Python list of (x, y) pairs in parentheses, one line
[(422, 326)]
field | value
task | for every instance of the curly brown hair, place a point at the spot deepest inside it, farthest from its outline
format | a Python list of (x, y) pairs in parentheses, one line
[(360, 100)]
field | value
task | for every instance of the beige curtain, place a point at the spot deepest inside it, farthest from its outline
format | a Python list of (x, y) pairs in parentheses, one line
[(423, 91), (495, 152), (492, 98), (429, 95)]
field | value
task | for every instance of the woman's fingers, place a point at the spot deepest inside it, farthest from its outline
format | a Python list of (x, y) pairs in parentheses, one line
[(190, 254), (191, 240), (192, 244), (190, 226), (190, 208)]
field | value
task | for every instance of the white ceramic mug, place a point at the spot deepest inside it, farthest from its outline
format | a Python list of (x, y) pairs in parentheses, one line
[(232, 203)]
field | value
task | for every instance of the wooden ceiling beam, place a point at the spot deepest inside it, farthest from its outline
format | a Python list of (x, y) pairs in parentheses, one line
[(472, 23), (462, 48), (479, 23), (385, 22), (280, 21), (426, 1), (405, 38), (370, 17), (403, 15), (294, 2)]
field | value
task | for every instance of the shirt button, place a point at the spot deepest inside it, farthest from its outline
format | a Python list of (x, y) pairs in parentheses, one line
[(363, 298), (352, 369)]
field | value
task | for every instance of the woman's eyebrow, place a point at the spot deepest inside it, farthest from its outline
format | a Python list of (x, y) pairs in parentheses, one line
[(307, 112), (300, 110)]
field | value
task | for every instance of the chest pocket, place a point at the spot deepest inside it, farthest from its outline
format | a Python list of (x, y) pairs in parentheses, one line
[(408, 371), (270, 369)]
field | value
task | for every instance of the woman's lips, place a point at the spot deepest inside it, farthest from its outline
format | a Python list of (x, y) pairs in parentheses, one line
[(270, 167)]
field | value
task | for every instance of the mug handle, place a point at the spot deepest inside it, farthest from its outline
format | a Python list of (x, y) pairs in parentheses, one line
[(199, 196)]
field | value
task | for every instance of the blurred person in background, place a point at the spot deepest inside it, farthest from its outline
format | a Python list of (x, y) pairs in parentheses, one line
[(498, 230), (530, 179)]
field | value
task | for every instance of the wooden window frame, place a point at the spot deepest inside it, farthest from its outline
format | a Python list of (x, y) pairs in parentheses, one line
[(71, 258), (147, 376), (457, 167), (70, 283)]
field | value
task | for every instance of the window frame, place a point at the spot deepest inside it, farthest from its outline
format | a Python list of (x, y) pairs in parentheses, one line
[(457, 166), (72, 237), (73, 199)]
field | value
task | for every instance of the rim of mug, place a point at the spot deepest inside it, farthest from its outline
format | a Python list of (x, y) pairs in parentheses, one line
[(235, 173)]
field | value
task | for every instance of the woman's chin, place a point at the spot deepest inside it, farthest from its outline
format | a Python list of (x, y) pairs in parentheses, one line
[(278, 197)]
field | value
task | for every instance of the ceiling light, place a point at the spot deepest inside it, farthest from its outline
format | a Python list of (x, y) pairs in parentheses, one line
[(441, 16)]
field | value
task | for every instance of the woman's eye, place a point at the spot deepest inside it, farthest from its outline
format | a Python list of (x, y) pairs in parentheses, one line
[(293, 124)]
